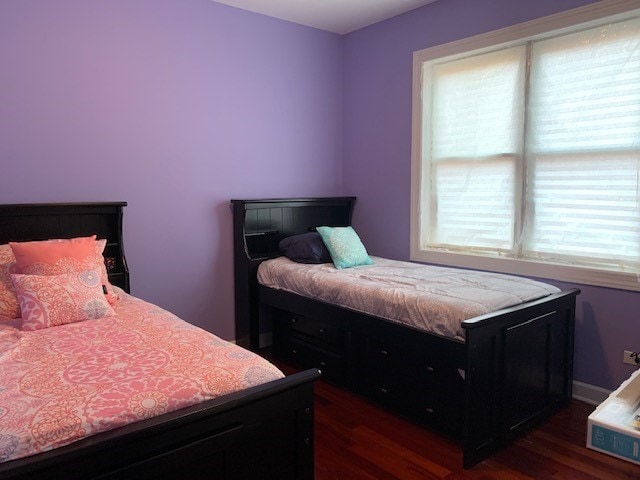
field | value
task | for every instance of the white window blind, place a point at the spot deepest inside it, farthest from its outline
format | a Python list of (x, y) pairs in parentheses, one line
[(530, 150), (476, 121), (583, 140)]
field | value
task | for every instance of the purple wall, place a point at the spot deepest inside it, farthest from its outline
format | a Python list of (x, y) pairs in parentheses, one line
[(377, 156), (176, 107)]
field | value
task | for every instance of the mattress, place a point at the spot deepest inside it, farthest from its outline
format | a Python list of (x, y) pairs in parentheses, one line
[(431, 298), (64, 383)]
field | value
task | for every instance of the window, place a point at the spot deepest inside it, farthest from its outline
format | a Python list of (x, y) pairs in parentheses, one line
[(527, 150)]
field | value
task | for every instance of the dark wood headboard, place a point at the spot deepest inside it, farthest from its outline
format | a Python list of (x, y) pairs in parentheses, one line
[(43, 221), (258, 227)]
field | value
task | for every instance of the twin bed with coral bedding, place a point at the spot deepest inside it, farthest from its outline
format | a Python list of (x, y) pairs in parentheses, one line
[(96, 383), (68, 382)]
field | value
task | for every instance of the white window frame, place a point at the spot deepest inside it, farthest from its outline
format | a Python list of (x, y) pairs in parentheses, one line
[(602, 12)]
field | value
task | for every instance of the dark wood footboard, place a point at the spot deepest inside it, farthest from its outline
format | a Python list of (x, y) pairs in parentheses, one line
[(259, 433), (519, 371)]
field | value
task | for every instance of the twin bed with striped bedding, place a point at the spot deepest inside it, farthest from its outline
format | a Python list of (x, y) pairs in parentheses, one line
[(481, 355)]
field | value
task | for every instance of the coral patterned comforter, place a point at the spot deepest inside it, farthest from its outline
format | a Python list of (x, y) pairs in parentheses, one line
[(60, 384)]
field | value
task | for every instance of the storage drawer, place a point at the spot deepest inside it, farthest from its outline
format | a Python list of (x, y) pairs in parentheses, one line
[(306, 355), (409, 382), (320, 332), (426, 404), (395, 360)]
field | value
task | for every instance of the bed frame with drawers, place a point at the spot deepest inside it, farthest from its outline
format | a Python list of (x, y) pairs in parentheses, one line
[(514, 369)]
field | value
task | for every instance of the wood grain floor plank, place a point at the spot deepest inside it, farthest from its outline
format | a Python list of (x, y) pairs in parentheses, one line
[(404, 462), (356, 439)]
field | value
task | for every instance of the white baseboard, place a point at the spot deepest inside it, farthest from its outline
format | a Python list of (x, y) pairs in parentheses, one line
[(589, 393)]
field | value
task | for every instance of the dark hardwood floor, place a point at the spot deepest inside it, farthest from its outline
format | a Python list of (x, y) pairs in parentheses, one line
[(355, 439)]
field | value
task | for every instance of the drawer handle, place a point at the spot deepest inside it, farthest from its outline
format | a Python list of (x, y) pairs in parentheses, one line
[(428, 410), (384, 352), (383, 390), (430, 369)]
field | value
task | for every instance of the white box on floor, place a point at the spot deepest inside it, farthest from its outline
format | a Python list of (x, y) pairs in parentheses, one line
[(614, 427)]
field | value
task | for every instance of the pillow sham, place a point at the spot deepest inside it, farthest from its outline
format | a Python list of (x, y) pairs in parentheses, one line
[(43, 253), (305, 248), (9, 306), (345, 247), (58, 256), (51, 300)]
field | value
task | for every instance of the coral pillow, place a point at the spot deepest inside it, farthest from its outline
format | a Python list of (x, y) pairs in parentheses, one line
[(9, 306), (50, 300), (55, 257), (50, 252)]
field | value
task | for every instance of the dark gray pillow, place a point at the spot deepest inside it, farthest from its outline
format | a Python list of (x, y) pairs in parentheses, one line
[(305, 248)]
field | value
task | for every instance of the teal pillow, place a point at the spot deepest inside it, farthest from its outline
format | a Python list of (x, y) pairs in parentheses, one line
[(345, 246)]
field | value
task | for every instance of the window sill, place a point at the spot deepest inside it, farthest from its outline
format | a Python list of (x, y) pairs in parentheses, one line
[(531, 268)]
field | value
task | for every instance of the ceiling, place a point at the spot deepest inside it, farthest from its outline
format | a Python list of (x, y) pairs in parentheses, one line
[(338, 16)]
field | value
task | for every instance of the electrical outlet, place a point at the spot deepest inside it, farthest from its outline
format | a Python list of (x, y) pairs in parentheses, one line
[(631, 358)]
